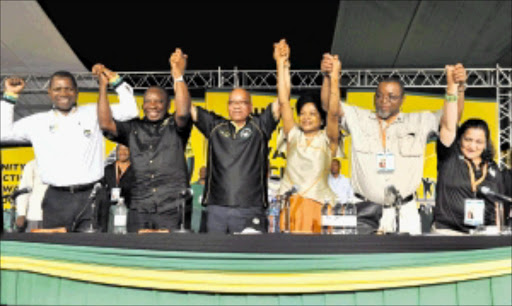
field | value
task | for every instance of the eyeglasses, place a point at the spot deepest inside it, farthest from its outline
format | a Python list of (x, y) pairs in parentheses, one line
[(391, 97), (238, 103)]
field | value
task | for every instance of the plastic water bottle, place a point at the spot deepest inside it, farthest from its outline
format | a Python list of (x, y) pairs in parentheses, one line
[(339, 212), (351, 216), (325, 215), (120, 216), (274, 211)]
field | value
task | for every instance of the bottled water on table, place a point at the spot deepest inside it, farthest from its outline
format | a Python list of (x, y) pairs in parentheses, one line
[(120, 217), (325, 217), (350, 219), (338, 212), (274, 212)]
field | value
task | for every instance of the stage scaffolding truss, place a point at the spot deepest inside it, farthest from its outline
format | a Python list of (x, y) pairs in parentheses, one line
[(498, 78)]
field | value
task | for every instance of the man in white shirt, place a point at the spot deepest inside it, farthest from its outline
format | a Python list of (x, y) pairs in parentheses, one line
[(339, 183), (28, 206), (68, 145)]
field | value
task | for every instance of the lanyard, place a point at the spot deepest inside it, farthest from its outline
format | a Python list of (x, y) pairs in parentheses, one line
[(474, 183), (383, 130), (119, 173)]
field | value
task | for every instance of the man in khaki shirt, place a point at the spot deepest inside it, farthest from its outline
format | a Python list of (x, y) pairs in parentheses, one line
[(388, 149)]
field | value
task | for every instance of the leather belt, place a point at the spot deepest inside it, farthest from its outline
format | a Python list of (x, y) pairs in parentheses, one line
[(74, 188), (404, 200)]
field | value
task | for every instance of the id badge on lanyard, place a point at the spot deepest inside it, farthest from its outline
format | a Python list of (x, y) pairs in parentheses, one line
[(474, 209), (385, 162), (474, 212)]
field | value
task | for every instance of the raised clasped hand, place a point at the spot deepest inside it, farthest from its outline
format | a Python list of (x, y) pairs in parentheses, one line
[(178, 61), (282, 52), (335, 66)]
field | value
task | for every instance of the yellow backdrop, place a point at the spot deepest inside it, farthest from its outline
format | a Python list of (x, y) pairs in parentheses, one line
[(13, 160)]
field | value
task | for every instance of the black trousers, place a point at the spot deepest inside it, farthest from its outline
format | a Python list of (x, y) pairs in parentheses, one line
[(145, 220), (368, 217), (103, 209), (71, 210), (224, 219)]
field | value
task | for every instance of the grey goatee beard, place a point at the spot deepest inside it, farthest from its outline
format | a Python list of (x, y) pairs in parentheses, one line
[(382, 114)]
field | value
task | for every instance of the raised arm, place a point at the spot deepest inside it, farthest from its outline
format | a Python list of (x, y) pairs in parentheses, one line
[(450, 109), (105, 119), (282, 56), (13, 86), (460, 78), (334, 98), (326, 68), (127, 108), (178, 61)]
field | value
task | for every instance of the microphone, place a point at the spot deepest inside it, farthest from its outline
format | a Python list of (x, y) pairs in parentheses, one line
[(487, 191), (391, 194), (95, 190), (294, 189), (19, 192), (186, 193)]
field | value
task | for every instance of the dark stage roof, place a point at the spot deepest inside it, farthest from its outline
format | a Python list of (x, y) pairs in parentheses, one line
[(140, 36)]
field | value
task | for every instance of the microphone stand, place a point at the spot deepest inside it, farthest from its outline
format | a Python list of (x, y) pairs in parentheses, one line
[(92, 198), (182, 230), (398, 205), (12, 219), (504, 226), (92, 227)]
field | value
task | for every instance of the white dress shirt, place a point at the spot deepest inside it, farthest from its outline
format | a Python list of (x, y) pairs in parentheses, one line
[(29, 204), (406, 138), (69, 148), (341, 186)]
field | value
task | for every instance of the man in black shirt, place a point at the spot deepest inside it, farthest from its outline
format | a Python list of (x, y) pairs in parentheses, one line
[(236, 182), (157, 144)]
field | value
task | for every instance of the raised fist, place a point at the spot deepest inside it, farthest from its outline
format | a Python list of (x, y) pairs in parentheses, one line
[(178, 61), (326, 63), (282, 52), (14, 85), (460, 74)]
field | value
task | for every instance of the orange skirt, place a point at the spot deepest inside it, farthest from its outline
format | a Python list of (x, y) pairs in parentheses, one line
[(305, 215)]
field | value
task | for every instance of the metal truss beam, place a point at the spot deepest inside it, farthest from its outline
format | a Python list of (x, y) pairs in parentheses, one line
[(266, 79), (504, 100)]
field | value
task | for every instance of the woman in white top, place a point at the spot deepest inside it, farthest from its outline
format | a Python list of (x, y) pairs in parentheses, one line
[(310, 146)]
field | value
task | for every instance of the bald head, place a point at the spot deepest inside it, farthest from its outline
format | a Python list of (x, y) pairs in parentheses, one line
[(240, 93)]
